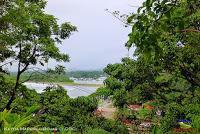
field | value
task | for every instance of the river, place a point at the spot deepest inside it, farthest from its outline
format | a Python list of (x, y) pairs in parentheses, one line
[(73, 91)]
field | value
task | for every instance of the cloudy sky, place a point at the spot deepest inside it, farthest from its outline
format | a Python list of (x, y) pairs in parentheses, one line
[(100, 38)]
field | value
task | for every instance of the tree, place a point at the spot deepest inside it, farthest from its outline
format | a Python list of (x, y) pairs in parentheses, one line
[(32, 37), (166, 35), (4, 51), (163, 28)]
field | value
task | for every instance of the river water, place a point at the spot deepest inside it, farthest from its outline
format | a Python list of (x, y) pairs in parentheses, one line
[(73, 91)]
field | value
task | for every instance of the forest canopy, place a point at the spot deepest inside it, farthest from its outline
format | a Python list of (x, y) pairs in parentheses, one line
[(157, 91), (166, 35)]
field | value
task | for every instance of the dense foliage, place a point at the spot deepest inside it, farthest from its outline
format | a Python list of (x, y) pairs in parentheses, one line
[(41, 77), (29, 37), (161, 85), (86, 74), (166, 35), (54, 109)]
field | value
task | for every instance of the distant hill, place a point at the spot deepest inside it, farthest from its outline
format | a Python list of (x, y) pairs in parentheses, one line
[(86, 74), (45, 77)]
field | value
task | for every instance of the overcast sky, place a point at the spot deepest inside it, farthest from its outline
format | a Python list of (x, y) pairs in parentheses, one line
[(100, 38)]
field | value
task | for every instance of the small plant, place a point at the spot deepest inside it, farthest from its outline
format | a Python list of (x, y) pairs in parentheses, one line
[(156, 130), (97, 131), (151, 103), (143, 113), (9, 121)]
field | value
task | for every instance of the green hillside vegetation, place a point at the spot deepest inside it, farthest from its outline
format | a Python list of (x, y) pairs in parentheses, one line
[(43, 77), (54, 109), (86, 74), (55, 77), (157, 91), (165, 77)]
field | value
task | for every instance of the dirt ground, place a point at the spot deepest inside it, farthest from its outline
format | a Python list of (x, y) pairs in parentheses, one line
[(107, 109)]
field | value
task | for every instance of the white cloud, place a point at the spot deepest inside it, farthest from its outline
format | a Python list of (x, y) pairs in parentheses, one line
[(101, 37)]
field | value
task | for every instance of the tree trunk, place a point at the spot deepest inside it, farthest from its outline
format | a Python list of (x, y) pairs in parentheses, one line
[(13, 92)]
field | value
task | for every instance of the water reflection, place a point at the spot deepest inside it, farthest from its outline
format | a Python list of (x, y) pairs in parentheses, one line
[(72, 90)]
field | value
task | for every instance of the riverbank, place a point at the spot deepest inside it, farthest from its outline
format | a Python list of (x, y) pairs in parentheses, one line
[(74, 90), (69, 83)]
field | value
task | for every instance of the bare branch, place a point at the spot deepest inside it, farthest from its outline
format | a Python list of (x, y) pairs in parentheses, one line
[(28, 63), (121, 20), (34, 69), (38, 71), (10, 62), (29, 78), (134, 6), (190, 30)]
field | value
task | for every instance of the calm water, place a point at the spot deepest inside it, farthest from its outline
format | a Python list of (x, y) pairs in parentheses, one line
[(88, 80), (72, 91)]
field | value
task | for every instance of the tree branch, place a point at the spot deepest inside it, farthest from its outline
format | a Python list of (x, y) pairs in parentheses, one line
[(190, 30), (121, 20), (10, 62), (29, 78), (29, 60)]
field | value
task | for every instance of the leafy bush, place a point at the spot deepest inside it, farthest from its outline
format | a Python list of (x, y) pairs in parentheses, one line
[(102, 91), (125, 113), (120, 98), (9, 120), (96, 131), (143, 113), (151, 103)]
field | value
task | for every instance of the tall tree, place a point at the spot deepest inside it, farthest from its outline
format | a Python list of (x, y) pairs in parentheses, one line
[(32, 36), (166, 35), (4, 51)]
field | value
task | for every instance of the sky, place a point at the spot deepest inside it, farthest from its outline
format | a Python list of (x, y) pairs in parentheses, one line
[(100, 38)]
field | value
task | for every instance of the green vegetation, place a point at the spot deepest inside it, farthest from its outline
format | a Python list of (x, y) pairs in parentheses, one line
[(28, 37), (165, 76), (158, 91), (10, 120), (86, 74), (42, 77), (55, 77), (54, 109), (97, 131)]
